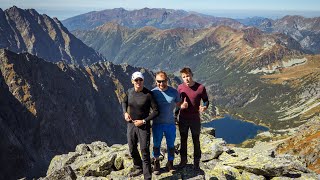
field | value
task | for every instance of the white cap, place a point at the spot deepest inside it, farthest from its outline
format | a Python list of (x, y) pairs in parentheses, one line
[(136, 75)]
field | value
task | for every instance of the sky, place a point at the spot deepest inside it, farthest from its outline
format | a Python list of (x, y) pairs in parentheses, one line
[(229, 8)]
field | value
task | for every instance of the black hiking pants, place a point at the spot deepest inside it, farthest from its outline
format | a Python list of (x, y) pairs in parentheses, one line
[(195, 127), (142, 135)]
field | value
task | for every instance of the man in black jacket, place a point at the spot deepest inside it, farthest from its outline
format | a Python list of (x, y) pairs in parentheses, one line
[(136, 108)]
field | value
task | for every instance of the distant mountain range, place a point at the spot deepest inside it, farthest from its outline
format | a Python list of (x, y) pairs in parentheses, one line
[(156, 17), (226, 60), (304, 30), (28, 31), (155, 48)]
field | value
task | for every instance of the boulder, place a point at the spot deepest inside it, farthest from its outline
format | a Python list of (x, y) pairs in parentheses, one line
[(64, 173), (221, 171), (304, 176), (211, 147), (61, 161), (97, 166), (263, 162), (250, 176)]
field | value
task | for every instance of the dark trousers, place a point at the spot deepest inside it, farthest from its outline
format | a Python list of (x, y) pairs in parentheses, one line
[(195, 127), (142, 135)]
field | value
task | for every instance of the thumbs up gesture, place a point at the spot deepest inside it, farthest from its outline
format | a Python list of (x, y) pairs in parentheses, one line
[(184, 104)]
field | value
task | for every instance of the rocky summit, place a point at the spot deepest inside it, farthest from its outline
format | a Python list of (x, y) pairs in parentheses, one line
[(219, 161)]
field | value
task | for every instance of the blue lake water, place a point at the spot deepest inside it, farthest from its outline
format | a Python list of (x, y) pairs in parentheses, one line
[(234, 131)]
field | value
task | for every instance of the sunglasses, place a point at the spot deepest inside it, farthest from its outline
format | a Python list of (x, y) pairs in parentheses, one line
[(138, 79), (161, 81)]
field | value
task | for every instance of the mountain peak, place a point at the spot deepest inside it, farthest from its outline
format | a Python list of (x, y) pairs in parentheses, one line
[(113, 26), (145, 8), (28, 31), (14, 9), (293, 17), (148, 29), (119, 9)]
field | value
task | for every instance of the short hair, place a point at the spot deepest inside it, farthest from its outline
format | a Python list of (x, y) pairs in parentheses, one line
[(162, 72), (186, 70)]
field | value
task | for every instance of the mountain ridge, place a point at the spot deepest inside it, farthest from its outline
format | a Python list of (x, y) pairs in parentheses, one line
[(157, 17), (219, 38), (28, 31), (304, 30)]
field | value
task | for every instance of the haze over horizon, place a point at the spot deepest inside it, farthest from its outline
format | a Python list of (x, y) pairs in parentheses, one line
[(230, 8)]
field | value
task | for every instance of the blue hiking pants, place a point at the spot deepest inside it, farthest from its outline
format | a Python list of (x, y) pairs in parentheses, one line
[(169, 131)]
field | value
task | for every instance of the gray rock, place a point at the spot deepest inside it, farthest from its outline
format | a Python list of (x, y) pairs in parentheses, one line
[(262, 163), (65, 173), (82, 149), (118, 163), (211, 147), (62, 161), (222, 172), (250, 176), (304, 176)]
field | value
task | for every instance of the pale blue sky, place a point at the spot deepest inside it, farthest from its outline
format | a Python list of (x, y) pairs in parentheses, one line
[(68, 8)]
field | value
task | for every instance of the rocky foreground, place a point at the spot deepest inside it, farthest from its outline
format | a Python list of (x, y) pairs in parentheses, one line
[(219, 161)]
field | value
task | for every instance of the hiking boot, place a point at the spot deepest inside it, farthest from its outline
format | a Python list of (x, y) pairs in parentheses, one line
[(135, 172), (170, 167), (182, 164), (196, 165), (156, 167)]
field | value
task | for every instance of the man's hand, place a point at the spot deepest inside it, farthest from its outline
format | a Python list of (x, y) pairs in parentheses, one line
[(202, 108), (138, 122), (176, 120), (127, 117), (184, 105)]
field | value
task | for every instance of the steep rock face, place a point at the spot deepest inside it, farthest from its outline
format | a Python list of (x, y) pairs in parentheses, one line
[(305, 30), (160, 18), (27, 31), (47, 109)]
